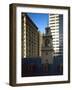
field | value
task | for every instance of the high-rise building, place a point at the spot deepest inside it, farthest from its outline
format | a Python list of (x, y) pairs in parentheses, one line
[(56, 26), (30, 37), (40, 42)]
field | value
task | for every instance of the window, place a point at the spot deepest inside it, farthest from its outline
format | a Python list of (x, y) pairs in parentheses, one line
[(47, 41), (46, 53)]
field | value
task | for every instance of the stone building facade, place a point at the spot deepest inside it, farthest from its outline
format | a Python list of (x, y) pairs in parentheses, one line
[(47, 48)]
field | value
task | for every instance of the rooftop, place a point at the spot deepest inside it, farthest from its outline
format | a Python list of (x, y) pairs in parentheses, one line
[(30, 20)]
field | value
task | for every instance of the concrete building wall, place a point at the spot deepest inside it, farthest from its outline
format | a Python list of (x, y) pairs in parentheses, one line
[(30, 38), (23, 35), (40, 42), (56, 25)]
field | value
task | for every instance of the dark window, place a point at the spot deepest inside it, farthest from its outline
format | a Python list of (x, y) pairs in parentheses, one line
[(47, 41), (46, 53)]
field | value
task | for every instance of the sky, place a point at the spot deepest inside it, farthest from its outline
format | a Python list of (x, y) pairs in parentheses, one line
[(41, 20)]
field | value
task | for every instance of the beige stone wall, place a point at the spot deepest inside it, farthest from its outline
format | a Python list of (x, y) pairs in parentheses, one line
[(47, 57)]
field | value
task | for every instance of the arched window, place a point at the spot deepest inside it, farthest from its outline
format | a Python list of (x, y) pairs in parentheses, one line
[(47, 42)]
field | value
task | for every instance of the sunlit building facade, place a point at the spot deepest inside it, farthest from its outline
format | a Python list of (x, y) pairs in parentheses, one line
[(30, 37), (56, 25)]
